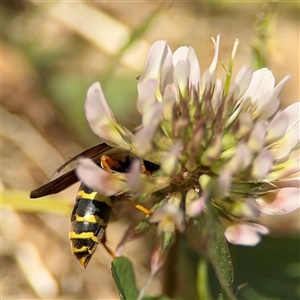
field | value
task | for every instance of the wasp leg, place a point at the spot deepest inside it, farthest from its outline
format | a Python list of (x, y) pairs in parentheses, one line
[(107, 248), (136, 205), (144, 170), (107, 163)]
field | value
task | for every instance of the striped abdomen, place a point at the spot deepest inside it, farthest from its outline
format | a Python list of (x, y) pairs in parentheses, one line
[(88, 222)]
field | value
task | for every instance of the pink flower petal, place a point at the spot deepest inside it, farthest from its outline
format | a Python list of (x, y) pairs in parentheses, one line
[(245, 234), (169, 162), (169, 215), (261, 165), (213, 66), (147, 95), (282, 147), (257, 136), (278, 88), (223, 184), (209, 75), (290, 182), (158, 258), (145, 136), (266, 108), (262, 82), (135, 180), (102, 120), (268, 103), (285, 169), (188, 56), (277, 128), (293, 114), (158, 66), (245, 124), (181, 77), (243, 79), (240, 160), (103, 182), (196, 207), (279, 202), (218, 92)]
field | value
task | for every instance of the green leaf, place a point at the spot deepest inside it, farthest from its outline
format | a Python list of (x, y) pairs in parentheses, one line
[(19, 200), (218, 252), (123, 275)]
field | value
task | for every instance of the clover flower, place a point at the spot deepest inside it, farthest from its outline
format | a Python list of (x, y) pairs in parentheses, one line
[(227, 143)]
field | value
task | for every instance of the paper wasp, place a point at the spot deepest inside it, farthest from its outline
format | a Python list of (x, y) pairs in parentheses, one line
[(92, 210)]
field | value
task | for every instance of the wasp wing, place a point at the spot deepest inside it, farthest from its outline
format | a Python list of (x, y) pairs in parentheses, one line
[(95, 153), (56, 185), (69, 178)]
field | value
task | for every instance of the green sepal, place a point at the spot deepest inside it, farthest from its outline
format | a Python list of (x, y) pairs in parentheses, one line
[(218, 253)]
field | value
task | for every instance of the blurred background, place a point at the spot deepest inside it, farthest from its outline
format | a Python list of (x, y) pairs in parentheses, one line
[(51, 52)]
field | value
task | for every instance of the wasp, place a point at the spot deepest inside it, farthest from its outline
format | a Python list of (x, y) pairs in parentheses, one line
[(92, 210)]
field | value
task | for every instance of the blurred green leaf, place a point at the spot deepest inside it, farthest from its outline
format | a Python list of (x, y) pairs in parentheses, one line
[(271, 270), (155, 298), (19, 200), (136, 34), (265, 33), (123, 275), (202, 280)]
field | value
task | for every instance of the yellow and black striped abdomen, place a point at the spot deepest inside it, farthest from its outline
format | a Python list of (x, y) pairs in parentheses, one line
[(88, 222)]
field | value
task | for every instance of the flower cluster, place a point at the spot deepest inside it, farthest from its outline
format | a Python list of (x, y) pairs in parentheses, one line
[(227, 143)]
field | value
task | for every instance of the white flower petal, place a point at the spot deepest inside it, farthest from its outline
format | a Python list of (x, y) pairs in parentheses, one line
[(103, 182), (279, 202)]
